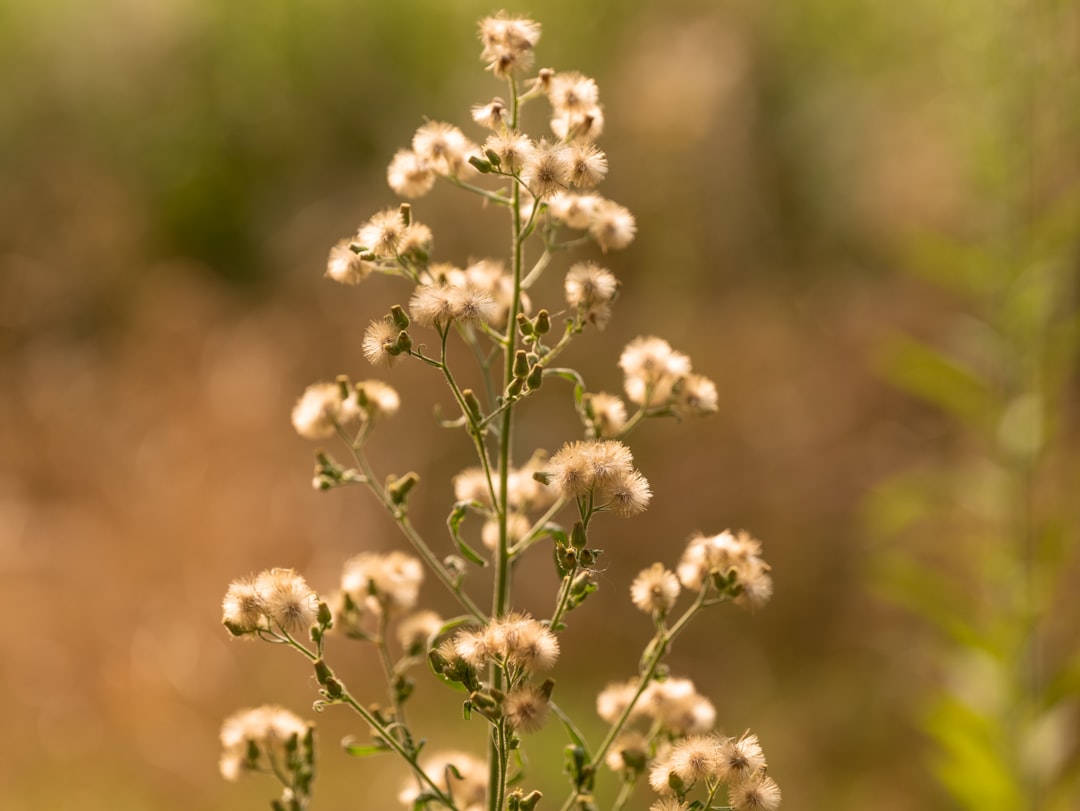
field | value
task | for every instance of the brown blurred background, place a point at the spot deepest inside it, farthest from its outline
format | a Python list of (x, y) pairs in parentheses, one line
[(172, 174)]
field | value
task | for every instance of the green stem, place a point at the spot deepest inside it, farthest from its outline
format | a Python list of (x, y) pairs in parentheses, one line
[(564, 599), (660, 645), (500, 598), (537, 528), (413, 536)]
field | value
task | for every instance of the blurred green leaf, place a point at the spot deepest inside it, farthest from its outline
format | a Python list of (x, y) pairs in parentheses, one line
[(936, 378), (970, 763)]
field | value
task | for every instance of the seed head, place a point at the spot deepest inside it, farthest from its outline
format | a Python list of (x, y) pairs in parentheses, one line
[(344, 265), (409, 175), (289, 603), (612, 226), (655, 590)]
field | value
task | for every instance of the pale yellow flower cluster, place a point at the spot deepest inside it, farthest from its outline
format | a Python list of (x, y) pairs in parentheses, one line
[(383, 583), (729, 556), (325, 407), (674, 704), (275, 600), (460, 775), (602, 470), (516, 640), (265, 732), (739, 763), (656, 376)]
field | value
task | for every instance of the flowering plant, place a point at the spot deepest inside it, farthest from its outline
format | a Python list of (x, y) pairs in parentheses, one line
[(659, 726)]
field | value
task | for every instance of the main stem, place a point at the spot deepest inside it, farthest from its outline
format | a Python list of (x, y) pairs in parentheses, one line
[(500, 601)]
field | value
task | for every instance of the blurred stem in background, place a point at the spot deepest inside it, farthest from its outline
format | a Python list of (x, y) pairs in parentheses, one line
[(986, 533)]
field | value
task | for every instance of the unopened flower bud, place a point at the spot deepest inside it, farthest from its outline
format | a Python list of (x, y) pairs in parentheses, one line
[(399, 489), (472, 405), (480, 164), (525, 325), (405, 211), (543, 322), (401, 345), (399, 317), (521, 363), (515, 388), (578, 537), (536, 377), (323, 674)]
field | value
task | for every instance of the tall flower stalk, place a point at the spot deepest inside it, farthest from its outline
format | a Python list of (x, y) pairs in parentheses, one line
[(502, 660)]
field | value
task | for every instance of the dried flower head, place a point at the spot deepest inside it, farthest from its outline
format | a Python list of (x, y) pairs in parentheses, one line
[(492, 115), (652, 369), (695, 396), (695, 759), (548, 170), (741, 757), (242, 609), (382, 234), (267, 730), (573, 210), (582, 125), (508, 43), (376, 400), (379, 340), (655, 590), (758, 792), (607, 413), (628, 495), (668, 804), (316, 414), (414, 631), (612, 226), (527, 707), (629, 752), (443, 148), (613, 700), (521, 641), (384, 583), (591, 289), (288, 601), (678, 706), (344, 265), (582, 466), (409, 175), (571, 92), (588, 165), (460, 775), (514, 149)]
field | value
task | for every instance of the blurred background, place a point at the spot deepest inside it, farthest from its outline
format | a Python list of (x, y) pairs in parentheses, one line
[(859, 218)]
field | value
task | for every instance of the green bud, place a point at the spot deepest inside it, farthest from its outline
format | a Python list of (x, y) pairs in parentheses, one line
[(398, 490), (521, 363), (323, 674), (325, 616), (578, 536), (524, 324), (493, 157), (334, 689), (405, 210), (536, 377), (344, 387), (481, 165), (542, 322), (402, 344), (399, 317), (472, 405), (515, 388), (529, 801)]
